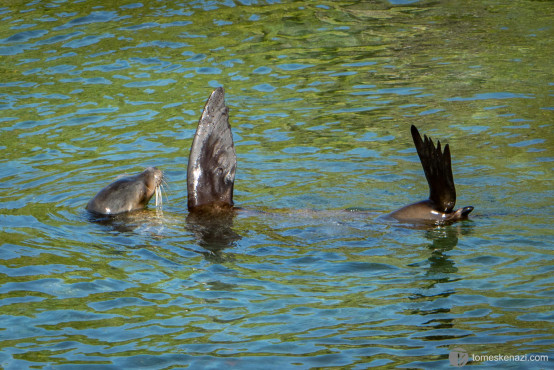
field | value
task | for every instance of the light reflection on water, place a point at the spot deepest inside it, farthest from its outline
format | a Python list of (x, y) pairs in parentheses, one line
[(321, 99)]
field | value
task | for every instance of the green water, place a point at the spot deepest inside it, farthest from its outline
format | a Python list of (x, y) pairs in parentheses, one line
[(321, 97)]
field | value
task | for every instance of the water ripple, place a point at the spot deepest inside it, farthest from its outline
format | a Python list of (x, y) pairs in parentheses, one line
[(86, 41), (309, 273), (94, 17)]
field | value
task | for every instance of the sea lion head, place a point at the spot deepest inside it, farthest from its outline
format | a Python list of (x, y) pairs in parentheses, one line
[(460, 214), (152, 178), (128, 193)]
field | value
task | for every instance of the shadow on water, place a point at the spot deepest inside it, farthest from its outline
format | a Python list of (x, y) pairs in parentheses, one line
[(213, 232), (126, 222), (444, 239), (441, 270)]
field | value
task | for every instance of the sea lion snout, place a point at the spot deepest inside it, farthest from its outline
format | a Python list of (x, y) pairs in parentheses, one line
[(153, 178), (466, 211)]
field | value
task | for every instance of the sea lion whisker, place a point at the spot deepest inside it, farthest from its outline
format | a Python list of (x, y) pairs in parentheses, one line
[(159, 197)]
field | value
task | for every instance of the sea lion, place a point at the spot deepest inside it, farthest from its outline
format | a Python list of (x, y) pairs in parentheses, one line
[(439, 208), (212, 160), (128, 193)]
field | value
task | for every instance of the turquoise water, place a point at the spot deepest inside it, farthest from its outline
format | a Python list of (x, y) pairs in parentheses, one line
[(321, 97)]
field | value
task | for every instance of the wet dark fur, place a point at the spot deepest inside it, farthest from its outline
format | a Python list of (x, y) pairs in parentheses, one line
[(126, 194), (212, 160)]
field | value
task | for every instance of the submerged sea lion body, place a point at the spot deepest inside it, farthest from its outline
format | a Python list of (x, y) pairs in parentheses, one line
[(426, 212), (127, 194), (437, 165)]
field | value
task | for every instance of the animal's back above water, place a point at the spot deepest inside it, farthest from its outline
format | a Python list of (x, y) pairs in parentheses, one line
[(126, 194)]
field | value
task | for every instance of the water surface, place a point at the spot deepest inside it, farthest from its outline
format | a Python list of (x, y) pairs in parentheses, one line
[(321, 97)]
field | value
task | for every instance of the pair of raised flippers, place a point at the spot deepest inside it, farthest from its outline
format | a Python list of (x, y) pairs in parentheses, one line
[(211, 175)]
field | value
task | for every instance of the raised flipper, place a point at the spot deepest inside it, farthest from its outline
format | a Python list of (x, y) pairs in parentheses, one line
[(212, 160), (437, 166)]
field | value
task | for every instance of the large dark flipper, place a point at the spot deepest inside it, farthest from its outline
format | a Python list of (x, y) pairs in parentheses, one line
[(438, 171), (212, 160)]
